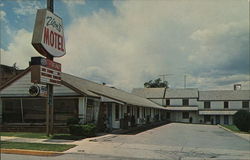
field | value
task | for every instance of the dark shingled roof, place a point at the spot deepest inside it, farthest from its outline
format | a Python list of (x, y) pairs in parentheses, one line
[(224, 95)]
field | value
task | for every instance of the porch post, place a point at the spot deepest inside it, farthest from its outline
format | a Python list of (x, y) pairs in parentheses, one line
[(1, 111), (81, 109), (96, 110), (160, 114)]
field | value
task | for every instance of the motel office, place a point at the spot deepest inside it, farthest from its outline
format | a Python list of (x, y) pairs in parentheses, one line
[(93, 103)]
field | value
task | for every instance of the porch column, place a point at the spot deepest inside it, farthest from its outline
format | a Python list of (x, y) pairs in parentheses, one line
[(96, 109), (82, 109), (160, 114), (1, 111)]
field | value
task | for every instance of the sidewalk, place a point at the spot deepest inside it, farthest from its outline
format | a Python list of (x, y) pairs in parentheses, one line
[(37, 140)]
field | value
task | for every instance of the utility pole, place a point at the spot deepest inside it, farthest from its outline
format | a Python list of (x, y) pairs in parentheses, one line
[(50, 106), (50, 5), (165, 75)]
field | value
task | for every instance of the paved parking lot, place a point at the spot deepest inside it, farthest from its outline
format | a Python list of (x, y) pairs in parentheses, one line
[(187, 135), (174, 141)]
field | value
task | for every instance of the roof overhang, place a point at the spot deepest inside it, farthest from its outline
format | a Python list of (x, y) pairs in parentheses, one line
[(217, 112), (182, 108)]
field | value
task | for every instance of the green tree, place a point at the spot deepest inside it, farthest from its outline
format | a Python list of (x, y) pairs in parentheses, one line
[(242, 120), (157, 83)]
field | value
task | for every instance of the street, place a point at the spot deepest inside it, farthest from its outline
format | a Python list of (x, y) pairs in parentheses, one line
[(173, 141)]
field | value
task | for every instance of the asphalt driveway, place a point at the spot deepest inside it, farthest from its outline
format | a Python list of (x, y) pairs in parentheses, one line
[(187, 135)]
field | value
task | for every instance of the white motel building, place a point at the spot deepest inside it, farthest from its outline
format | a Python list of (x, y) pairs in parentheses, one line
[(113, 108), (75, 97), (194, 106)]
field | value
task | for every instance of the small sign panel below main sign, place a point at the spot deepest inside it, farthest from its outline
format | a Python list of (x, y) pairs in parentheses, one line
[(48, 34), (45, 71)]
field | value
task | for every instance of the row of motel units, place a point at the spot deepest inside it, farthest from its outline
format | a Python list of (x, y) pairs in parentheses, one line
[(108, 107), (193, 106)]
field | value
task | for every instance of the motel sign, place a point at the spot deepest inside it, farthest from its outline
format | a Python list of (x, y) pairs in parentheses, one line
[(48, 35), (45, 71)]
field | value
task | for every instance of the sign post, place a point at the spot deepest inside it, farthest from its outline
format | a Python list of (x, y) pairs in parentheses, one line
[(48, 40), (50, 104)]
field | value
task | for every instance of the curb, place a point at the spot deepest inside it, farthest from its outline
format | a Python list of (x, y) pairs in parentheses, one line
[(220, 126), (225, 128), (31, 152)]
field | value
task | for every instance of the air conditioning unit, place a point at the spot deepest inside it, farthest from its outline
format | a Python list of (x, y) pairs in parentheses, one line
[(38, 90)]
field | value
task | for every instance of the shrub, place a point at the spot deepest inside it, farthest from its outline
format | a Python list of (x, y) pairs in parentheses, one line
[(242, 120), (87, 130), (76, 130), (72, 121)]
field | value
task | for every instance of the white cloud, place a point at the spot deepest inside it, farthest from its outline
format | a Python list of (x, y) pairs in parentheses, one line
[(74, 2), (19, 51), (1, 4), (27, 7), (217, 83), (144, 39), (2, 16), (71, 6), (221, 46)]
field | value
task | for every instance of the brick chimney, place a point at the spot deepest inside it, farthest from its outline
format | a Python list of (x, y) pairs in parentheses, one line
[(237, 87)]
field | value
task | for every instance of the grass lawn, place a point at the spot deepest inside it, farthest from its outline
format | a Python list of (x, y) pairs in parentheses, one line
[(36, 146), (234, 128), (41, 135), (25, 135)]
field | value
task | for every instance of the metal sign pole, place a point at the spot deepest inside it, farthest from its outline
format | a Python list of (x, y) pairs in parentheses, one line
[(50, 108)]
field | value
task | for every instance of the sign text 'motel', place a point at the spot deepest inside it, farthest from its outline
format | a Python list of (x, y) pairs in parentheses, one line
[(48, 35)]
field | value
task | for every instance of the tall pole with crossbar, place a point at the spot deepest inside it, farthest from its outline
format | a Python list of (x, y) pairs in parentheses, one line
[(50, 106)]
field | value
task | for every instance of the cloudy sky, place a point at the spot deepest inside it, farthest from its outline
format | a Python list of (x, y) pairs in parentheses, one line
[(126, 43)]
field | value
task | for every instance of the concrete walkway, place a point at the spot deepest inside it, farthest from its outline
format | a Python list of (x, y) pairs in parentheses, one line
[(37, 140)]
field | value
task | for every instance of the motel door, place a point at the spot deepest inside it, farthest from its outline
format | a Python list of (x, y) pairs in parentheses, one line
[(217, 119), (109, 109), (226, 119)]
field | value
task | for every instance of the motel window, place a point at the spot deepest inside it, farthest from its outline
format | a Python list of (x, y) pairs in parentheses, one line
[(117, 112), (207, 104), (168, 115), (167, 102), (245, 104), (185, 102), (185, 115), (12, 112), (34, 110), (128, 109), (65, 108), (144, 112), (207, 118), (226, 104)]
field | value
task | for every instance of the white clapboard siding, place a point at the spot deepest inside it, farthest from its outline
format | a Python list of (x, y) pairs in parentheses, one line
[(21, 86)]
